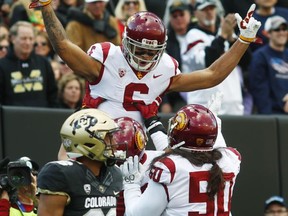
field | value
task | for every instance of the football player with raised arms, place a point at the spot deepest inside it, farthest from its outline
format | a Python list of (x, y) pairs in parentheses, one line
[(90, 183), (139, 71), (191, 178)]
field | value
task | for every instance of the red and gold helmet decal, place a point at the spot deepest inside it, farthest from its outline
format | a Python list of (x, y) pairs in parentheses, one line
[(181, 121), (139, 140)]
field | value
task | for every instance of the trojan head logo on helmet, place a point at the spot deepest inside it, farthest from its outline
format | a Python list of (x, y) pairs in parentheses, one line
[(194, 127), (145, 34), (131, 139), (88, 132)]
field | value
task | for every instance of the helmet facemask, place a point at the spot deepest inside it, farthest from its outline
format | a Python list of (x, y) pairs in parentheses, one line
[(151, 48)]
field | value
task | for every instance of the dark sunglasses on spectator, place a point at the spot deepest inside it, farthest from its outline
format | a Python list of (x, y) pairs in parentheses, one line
[(175, 15), (131, 2), (42, 44), (3, 47), (280, 29)]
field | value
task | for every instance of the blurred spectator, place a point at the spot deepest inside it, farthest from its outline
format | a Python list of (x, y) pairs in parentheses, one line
[(206, 43), (125, 9), (63, 67), (70, 91), (4, 32), (179, 24), (56, 69), (269, 70), (62, 7), (4, 11), (43, 46), (264, 10), (26, 79), (22, 202), (4, 46), (275, 205), (20, 12), (92, 25), (241, 7)]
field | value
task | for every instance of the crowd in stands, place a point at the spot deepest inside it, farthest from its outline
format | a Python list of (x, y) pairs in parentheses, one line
[(198, 34)]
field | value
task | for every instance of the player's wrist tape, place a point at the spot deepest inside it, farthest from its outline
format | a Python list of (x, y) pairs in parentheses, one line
[(154, 125), (246, 40)]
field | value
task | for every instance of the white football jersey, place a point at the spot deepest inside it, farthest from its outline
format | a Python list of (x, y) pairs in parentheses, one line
[(176, 187), (186, 184), (121, 86), (148, 156)]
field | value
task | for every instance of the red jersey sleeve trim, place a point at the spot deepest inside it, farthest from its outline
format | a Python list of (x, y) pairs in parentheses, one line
[(170, 165)]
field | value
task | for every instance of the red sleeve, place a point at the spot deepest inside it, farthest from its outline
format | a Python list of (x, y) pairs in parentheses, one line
[(4, 207)]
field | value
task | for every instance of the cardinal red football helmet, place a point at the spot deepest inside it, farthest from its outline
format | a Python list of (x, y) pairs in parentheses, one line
[(146, 32), (194, 127), (131, 139)]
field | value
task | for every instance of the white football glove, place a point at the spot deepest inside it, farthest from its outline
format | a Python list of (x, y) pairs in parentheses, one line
[(131, 171), (39, 3), (248, 26)]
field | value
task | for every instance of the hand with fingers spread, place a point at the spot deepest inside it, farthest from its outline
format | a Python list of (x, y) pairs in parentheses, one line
[(39, 3), (131, 171), (248, 26)]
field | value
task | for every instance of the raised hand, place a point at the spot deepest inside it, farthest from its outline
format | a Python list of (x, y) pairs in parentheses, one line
[(131, 171), (39, 3), (248, 26)]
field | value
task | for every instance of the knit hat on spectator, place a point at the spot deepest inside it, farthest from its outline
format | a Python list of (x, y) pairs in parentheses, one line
[(201, 4), (274, 22)]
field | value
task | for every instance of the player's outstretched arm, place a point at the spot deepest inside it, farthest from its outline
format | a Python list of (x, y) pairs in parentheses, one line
[(222, 67), (74, 56)]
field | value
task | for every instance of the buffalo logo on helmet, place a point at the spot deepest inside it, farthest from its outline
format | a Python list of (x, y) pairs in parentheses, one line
[(85, 121), (139, 140), (181, 121)]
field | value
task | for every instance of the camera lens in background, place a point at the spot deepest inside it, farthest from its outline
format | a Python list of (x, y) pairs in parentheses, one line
[(19, 176)]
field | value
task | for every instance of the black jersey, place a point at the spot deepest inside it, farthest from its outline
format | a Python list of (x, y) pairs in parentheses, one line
[(87, 194)]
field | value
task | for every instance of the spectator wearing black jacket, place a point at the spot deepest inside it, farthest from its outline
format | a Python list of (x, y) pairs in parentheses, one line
[(26, 79)]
